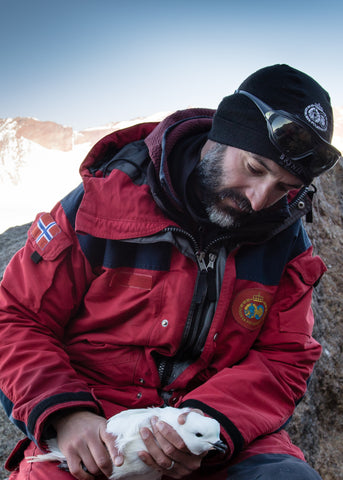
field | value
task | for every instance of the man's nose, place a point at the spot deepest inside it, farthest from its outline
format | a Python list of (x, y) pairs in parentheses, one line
[(259, 196)]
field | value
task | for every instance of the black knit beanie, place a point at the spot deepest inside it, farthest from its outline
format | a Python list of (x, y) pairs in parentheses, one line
[(239, 123)]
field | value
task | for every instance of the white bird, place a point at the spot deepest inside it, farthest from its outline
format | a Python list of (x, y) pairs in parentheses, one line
[(199, 433)]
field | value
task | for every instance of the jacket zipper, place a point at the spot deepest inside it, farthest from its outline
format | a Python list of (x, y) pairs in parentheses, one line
[(194, 335), (299, 198), (205, 293)]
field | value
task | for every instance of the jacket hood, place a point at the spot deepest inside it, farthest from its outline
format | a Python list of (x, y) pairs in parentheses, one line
[(110, 145), (161, 141)]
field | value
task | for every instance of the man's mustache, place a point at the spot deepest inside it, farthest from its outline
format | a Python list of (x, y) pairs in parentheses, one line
[(241, 201)]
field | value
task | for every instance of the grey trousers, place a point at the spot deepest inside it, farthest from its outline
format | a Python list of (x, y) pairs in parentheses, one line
[(272, 467)]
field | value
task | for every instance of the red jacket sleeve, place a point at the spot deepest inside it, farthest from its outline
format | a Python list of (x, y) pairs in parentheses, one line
[(262, 390), (36, 375)]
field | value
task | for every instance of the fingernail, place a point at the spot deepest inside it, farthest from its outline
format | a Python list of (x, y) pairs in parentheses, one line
[(153, 421), (159, 425), (144, 433)]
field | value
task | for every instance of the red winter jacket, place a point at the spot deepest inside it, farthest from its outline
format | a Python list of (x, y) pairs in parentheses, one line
[(97, 307)]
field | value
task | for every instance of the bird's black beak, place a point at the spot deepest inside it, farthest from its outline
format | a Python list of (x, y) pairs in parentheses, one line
[(220, 446)]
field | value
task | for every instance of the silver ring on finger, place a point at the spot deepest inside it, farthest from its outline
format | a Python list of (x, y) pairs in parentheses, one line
[(171, 465)]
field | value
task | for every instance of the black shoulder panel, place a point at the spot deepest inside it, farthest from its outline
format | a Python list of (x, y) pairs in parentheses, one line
[(71, 203), (265, 263)]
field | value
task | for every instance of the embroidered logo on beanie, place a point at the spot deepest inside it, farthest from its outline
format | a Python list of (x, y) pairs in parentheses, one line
[(315, 115)]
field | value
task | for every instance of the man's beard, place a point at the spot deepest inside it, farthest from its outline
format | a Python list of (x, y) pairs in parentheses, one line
[(209, 174)]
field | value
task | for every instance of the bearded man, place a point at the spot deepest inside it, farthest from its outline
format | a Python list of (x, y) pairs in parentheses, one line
[(178, 273)]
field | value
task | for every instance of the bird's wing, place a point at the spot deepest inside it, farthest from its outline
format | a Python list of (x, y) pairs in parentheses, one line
[(171, 414)]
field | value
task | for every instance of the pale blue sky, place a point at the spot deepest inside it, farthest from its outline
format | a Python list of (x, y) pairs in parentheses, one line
[(88, 62)]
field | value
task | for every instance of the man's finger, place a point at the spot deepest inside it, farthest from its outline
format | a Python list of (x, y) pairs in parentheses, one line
[(158, 455), (77, 469), (157, 459), (108, 440), (169, 440), (99, 461)]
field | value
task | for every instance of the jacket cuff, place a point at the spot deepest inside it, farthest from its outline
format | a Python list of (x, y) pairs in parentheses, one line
[(39, 419), (237, 441)]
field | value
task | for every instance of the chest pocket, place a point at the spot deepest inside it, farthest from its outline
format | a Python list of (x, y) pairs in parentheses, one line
[(128, 289)]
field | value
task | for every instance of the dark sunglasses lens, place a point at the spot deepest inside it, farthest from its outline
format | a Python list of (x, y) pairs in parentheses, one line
[(298, 142), (292, 138), (327, 156), (320, 160)]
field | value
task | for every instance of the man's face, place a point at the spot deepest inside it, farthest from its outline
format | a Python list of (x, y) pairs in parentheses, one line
[(235, 184)]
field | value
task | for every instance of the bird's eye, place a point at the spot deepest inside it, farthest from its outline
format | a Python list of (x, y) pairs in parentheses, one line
[(198, 434)]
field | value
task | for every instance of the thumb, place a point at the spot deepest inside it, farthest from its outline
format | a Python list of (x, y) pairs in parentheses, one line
[(110, 441)]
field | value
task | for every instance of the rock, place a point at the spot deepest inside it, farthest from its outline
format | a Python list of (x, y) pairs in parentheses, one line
[(317, 425), (10, 242), (48, 134)]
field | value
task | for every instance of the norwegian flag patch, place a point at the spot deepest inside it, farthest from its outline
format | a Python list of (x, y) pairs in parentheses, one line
[(45, 230)]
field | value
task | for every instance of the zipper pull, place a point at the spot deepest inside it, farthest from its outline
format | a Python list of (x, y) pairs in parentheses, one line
[(200, 256), (212, 258), (201, 287), (211, 278)]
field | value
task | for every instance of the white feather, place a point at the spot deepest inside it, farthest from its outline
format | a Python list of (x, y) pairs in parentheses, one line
[(199, 433)]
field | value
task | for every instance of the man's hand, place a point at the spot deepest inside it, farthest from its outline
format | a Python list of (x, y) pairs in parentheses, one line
[(82, 438), (167, 452)]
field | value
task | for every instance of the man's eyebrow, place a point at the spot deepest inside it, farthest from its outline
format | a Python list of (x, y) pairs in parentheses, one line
[(262, 162)]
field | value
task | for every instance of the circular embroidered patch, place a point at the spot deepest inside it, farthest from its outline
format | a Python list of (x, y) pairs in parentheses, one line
[(250, 307), (316, 116)]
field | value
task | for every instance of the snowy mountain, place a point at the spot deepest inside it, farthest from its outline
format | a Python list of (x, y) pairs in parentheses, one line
[(39, 162)]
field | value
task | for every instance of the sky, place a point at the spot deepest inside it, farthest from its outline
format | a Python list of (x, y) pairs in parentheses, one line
[(87, 63)]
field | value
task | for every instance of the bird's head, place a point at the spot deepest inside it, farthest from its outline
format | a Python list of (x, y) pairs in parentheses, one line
[(201, 434)]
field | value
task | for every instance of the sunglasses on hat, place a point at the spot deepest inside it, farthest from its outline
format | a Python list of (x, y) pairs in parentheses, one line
[(295, 139)]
